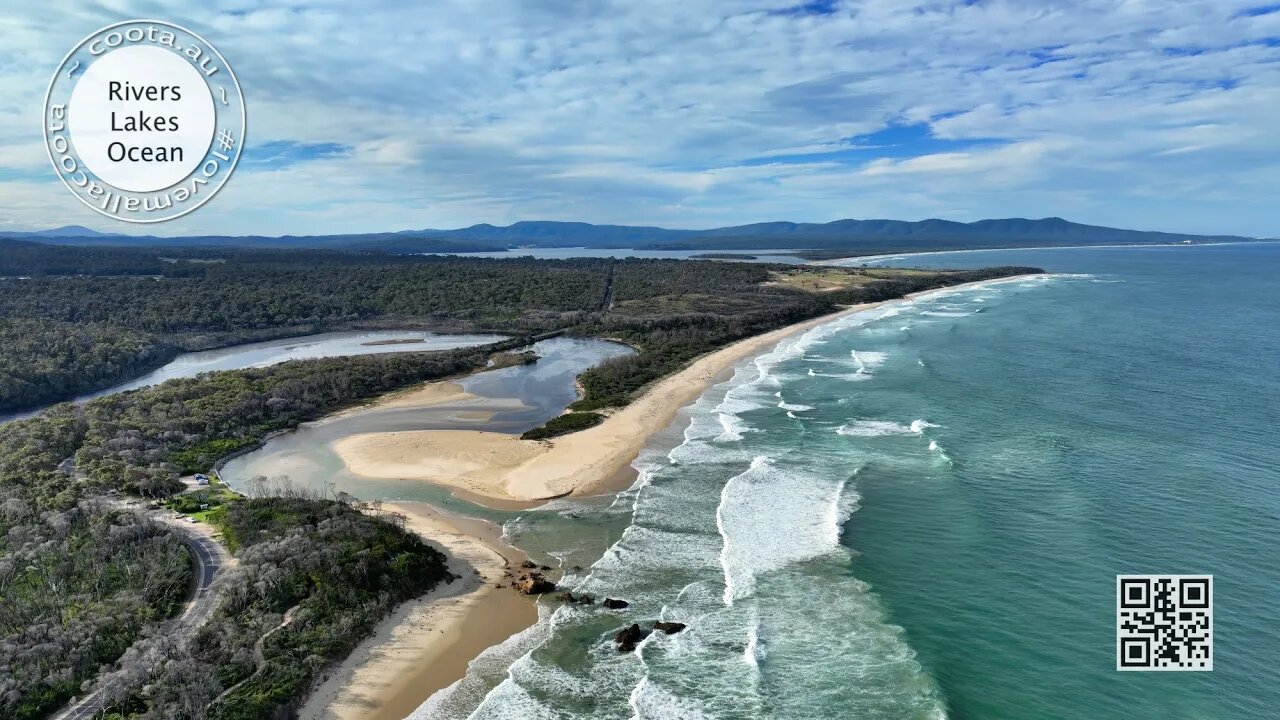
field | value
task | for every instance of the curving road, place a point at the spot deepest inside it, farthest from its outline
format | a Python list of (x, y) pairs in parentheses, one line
[(210, 557)]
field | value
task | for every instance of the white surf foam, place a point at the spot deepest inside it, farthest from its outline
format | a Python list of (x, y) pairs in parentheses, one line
[(935, 447), (868, 360), (918, 426), (649, 700), (794, 408), (753, 652), (804, 512), (733, 426), (873, 428), (877, 428), (850, 377)]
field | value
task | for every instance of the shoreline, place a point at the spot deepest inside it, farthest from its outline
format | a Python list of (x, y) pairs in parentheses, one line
[(428, 643), (502, 471)]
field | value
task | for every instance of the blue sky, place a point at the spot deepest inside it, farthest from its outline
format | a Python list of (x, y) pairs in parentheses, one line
[(373, 116)]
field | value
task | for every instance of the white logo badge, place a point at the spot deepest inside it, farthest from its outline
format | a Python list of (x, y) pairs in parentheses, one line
[(144, 121)]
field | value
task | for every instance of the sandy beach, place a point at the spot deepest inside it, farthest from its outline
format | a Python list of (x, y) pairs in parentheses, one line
[(427, 643), (429, 394), (505, 469)]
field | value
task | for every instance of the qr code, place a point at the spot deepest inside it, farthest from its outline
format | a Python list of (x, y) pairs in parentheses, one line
[(1164, 622)]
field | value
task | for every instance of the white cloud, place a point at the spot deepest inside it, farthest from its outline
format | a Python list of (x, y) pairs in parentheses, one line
[(1132, 112)]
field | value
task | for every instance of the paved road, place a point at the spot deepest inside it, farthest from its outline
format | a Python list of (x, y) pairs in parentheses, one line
[(210, 558)]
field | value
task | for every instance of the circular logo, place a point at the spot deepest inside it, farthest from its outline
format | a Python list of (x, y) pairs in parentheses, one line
[(144, 121)]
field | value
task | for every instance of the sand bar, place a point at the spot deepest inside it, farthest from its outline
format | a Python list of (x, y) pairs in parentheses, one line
[(504, 468)]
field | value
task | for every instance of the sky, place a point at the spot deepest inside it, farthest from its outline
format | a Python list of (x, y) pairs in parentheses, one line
[(381, 115)]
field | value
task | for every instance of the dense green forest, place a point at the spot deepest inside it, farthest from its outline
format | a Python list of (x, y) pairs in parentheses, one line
[(75, 332), (44, 359)]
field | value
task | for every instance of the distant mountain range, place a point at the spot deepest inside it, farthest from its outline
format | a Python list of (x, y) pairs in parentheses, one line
[(78, 231), (853, 236)]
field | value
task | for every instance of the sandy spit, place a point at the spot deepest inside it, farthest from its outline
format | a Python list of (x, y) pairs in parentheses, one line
[(504, 468)]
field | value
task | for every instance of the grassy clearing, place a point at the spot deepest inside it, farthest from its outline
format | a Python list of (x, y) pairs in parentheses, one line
[(831, 279), (198, 503)]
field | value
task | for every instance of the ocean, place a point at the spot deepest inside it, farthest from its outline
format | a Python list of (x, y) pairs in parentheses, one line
[(919, 511)]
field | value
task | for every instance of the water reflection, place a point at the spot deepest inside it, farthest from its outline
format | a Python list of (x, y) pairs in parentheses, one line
[(271, 352), (510, 400)]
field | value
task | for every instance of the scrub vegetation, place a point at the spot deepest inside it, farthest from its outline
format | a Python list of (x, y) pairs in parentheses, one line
[(563, 425), (85, 581)]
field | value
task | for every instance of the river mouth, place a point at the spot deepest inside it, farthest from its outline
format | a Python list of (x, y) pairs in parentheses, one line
[(509, 400)]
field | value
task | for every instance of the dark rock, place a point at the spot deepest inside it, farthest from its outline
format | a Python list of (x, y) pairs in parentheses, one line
[(670, 628), (613, 604), (626, 640), (586, 599), (534, 584), (546, 567), (528, 564), (576, 568)]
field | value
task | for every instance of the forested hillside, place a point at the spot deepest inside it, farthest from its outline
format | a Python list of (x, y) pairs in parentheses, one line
[(328, 570), (77, 587), (82, 579), (61, 336), (854, 237)]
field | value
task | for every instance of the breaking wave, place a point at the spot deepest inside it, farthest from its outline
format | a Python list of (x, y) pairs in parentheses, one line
[(877, 428)]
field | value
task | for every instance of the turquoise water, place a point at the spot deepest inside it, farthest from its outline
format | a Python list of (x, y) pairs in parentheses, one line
[(919, 512)]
